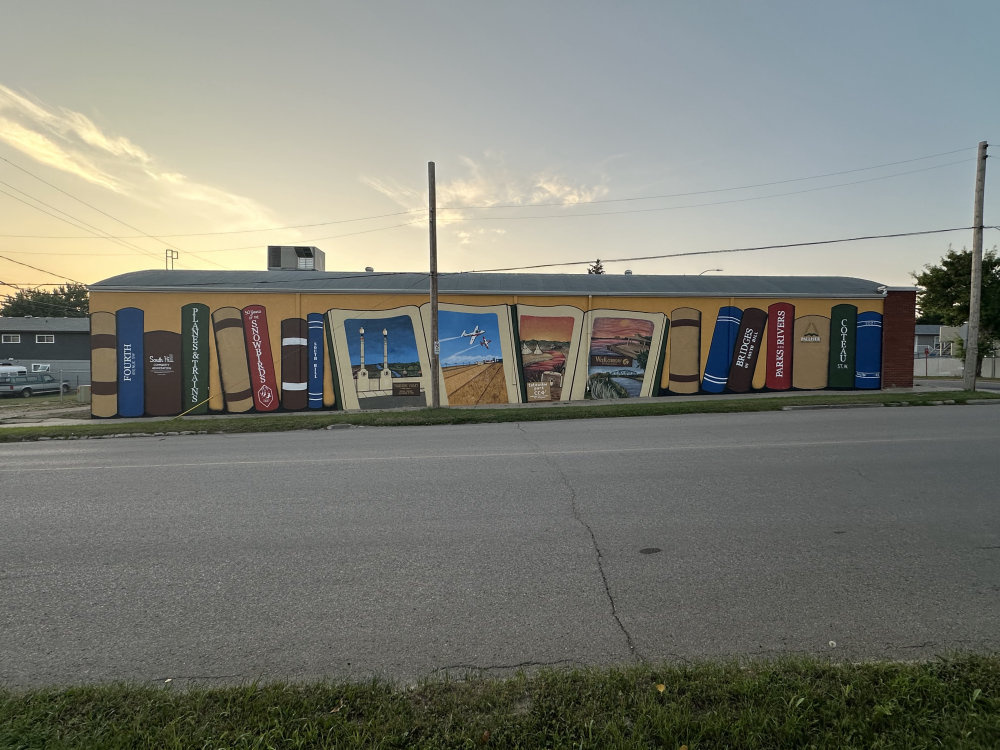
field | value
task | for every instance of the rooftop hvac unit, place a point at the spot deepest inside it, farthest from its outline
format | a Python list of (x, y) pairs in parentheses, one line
[(295, 258)]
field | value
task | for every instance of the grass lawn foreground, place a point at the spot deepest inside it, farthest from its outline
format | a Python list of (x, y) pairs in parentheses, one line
[(953, 702)]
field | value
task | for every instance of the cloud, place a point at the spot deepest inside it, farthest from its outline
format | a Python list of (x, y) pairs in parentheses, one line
[(487, 183), (73, 143)]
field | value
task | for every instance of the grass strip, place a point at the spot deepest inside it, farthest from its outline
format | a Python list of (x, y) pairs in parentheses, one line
[(801, 703), (457, 415)]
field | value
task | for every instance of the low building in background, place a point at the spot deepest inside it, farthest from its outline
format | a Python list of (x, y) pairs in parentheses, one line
[(60, 346)]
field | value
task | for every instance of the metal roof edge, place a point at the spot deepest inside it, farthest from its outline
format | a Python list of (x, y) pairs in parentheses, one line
[(491, 293)]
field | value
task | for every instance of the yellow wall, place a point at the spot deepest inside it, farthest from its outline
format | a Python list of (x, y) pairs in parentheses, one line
[(162, 312)]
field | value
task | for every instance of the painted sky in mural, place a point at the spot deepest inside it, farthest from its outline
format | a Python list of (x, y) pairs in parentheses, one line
[(399, 334), (458, 344)]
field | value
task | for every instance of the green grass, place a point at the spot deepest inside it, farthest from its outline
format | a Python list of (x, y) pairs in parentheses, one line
[(458, 415), (951, 703)]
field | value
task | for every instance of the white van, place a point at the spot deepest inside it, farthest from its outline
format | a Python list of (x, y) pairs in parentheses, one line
[(13, 370)]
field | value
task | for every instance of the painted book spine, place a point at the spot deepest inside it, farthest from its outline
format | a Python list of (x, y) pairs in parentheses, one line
[(843, 337), (129, 325), (780, 346), (103, 365), (294, 367), (748, 341), (232, 353), (720, 351), (258, 343), (315, 321), (195, 357), (868, 362), (162, 364), (684, 366), (812, 352)]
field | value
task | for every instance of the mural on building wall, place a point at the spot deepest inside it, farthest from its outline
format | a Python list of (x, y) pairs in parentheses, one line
[(868, 351), (622, 354), (746, 350), (685, 350), (548, 341), (810, 365), (231, 351), (103, 365), (195, 358), (477, 357), (488, 354), (162, 373), (294, 364), (720, 351), (316, 359), (129, 334), (843, 337), (381, 357), (780, 346)]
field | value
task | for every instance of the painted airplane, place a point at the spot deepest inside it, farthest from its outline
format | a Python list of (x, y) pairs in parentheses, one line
[(485, 343), (474, 333)]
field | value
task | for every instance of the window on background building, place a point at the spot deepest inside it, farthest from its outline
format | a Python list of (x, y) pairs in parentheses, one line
[(45, 338), (11, 338)]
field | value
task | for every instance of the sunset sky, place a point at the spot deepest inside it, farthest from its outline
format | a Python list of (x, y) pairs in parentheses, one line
[(562, 132)]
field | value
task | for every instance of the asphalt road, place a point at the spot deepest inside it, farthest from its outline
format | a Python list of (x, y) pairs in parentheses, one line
[(405, 552)]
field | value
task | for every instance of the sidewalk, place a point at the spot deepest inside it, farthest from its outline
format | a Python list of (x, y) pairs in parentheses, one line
[(78, 414)]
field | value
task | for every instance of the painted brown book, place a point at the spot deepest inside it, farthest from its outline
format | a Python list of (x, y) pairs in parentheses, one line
[(162, 352), (232, 352), (294, 364), (685, 350), (103, 365), (812, 352), (747, 349)]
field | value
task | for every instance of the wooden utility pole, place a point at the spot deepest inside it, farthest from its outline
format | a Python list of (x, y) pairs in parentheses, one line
[(976, 283), (435, 343)]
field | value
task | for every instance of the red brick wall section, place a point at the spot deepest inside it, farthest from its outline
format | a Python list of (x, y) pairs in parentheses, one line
[(898, 325)]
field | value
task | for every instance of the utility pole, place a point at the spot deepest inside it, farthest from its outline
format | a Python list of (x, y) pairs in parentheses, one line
[(976, 283), (435, 344)]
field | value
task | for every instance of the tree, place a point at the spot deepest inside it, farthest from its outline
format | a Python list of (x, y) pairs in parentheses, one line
[(596, 267), (944, 295), (69, 301)]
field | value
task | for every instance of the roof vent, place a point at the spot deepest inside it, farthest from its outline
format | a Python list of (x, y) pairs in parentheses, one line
[(369, 269), (295, 258), (628, 271)]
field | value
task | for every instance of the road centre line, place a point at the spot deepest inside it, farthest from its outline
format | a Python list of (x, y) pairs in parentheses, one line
[(513, 454)]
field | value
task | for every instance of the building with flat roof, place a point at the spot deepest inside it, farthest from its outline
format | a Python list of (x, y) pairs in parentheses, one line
[(57, 345), (169, 342)]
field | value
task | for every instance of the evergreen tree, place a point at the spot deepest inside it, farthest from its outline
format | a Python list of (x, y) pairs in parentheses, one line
[(596, 267)]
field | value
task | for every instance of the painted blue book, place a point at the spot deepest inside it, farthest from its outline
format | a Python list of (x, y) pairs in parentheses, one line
[(720, 353), (131, 383), (868, 348), (315, 362)]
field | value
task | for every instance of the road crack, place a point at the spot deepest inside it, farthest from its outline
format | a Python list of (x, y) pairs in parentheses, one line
[(598, 553)]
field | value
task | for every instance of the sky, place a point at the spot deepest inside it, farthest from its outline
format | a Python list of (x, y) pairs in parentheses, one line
[(662, 137)]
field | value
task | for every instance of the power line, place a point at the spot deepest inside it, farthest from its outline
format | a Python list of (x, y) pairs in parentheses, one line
[(70, 219), (42, 270), (728, 189), (703, 205), (513, 206), (227, 232), (731, 250), (104, 234)]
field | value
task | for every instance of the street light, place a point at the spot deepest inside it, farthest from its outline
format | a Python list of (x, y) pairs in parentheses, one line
[(710, 269)]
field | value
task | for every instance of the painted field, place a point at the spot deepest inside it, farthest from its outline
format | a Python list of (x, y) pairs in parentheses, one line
[(467, 385)]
